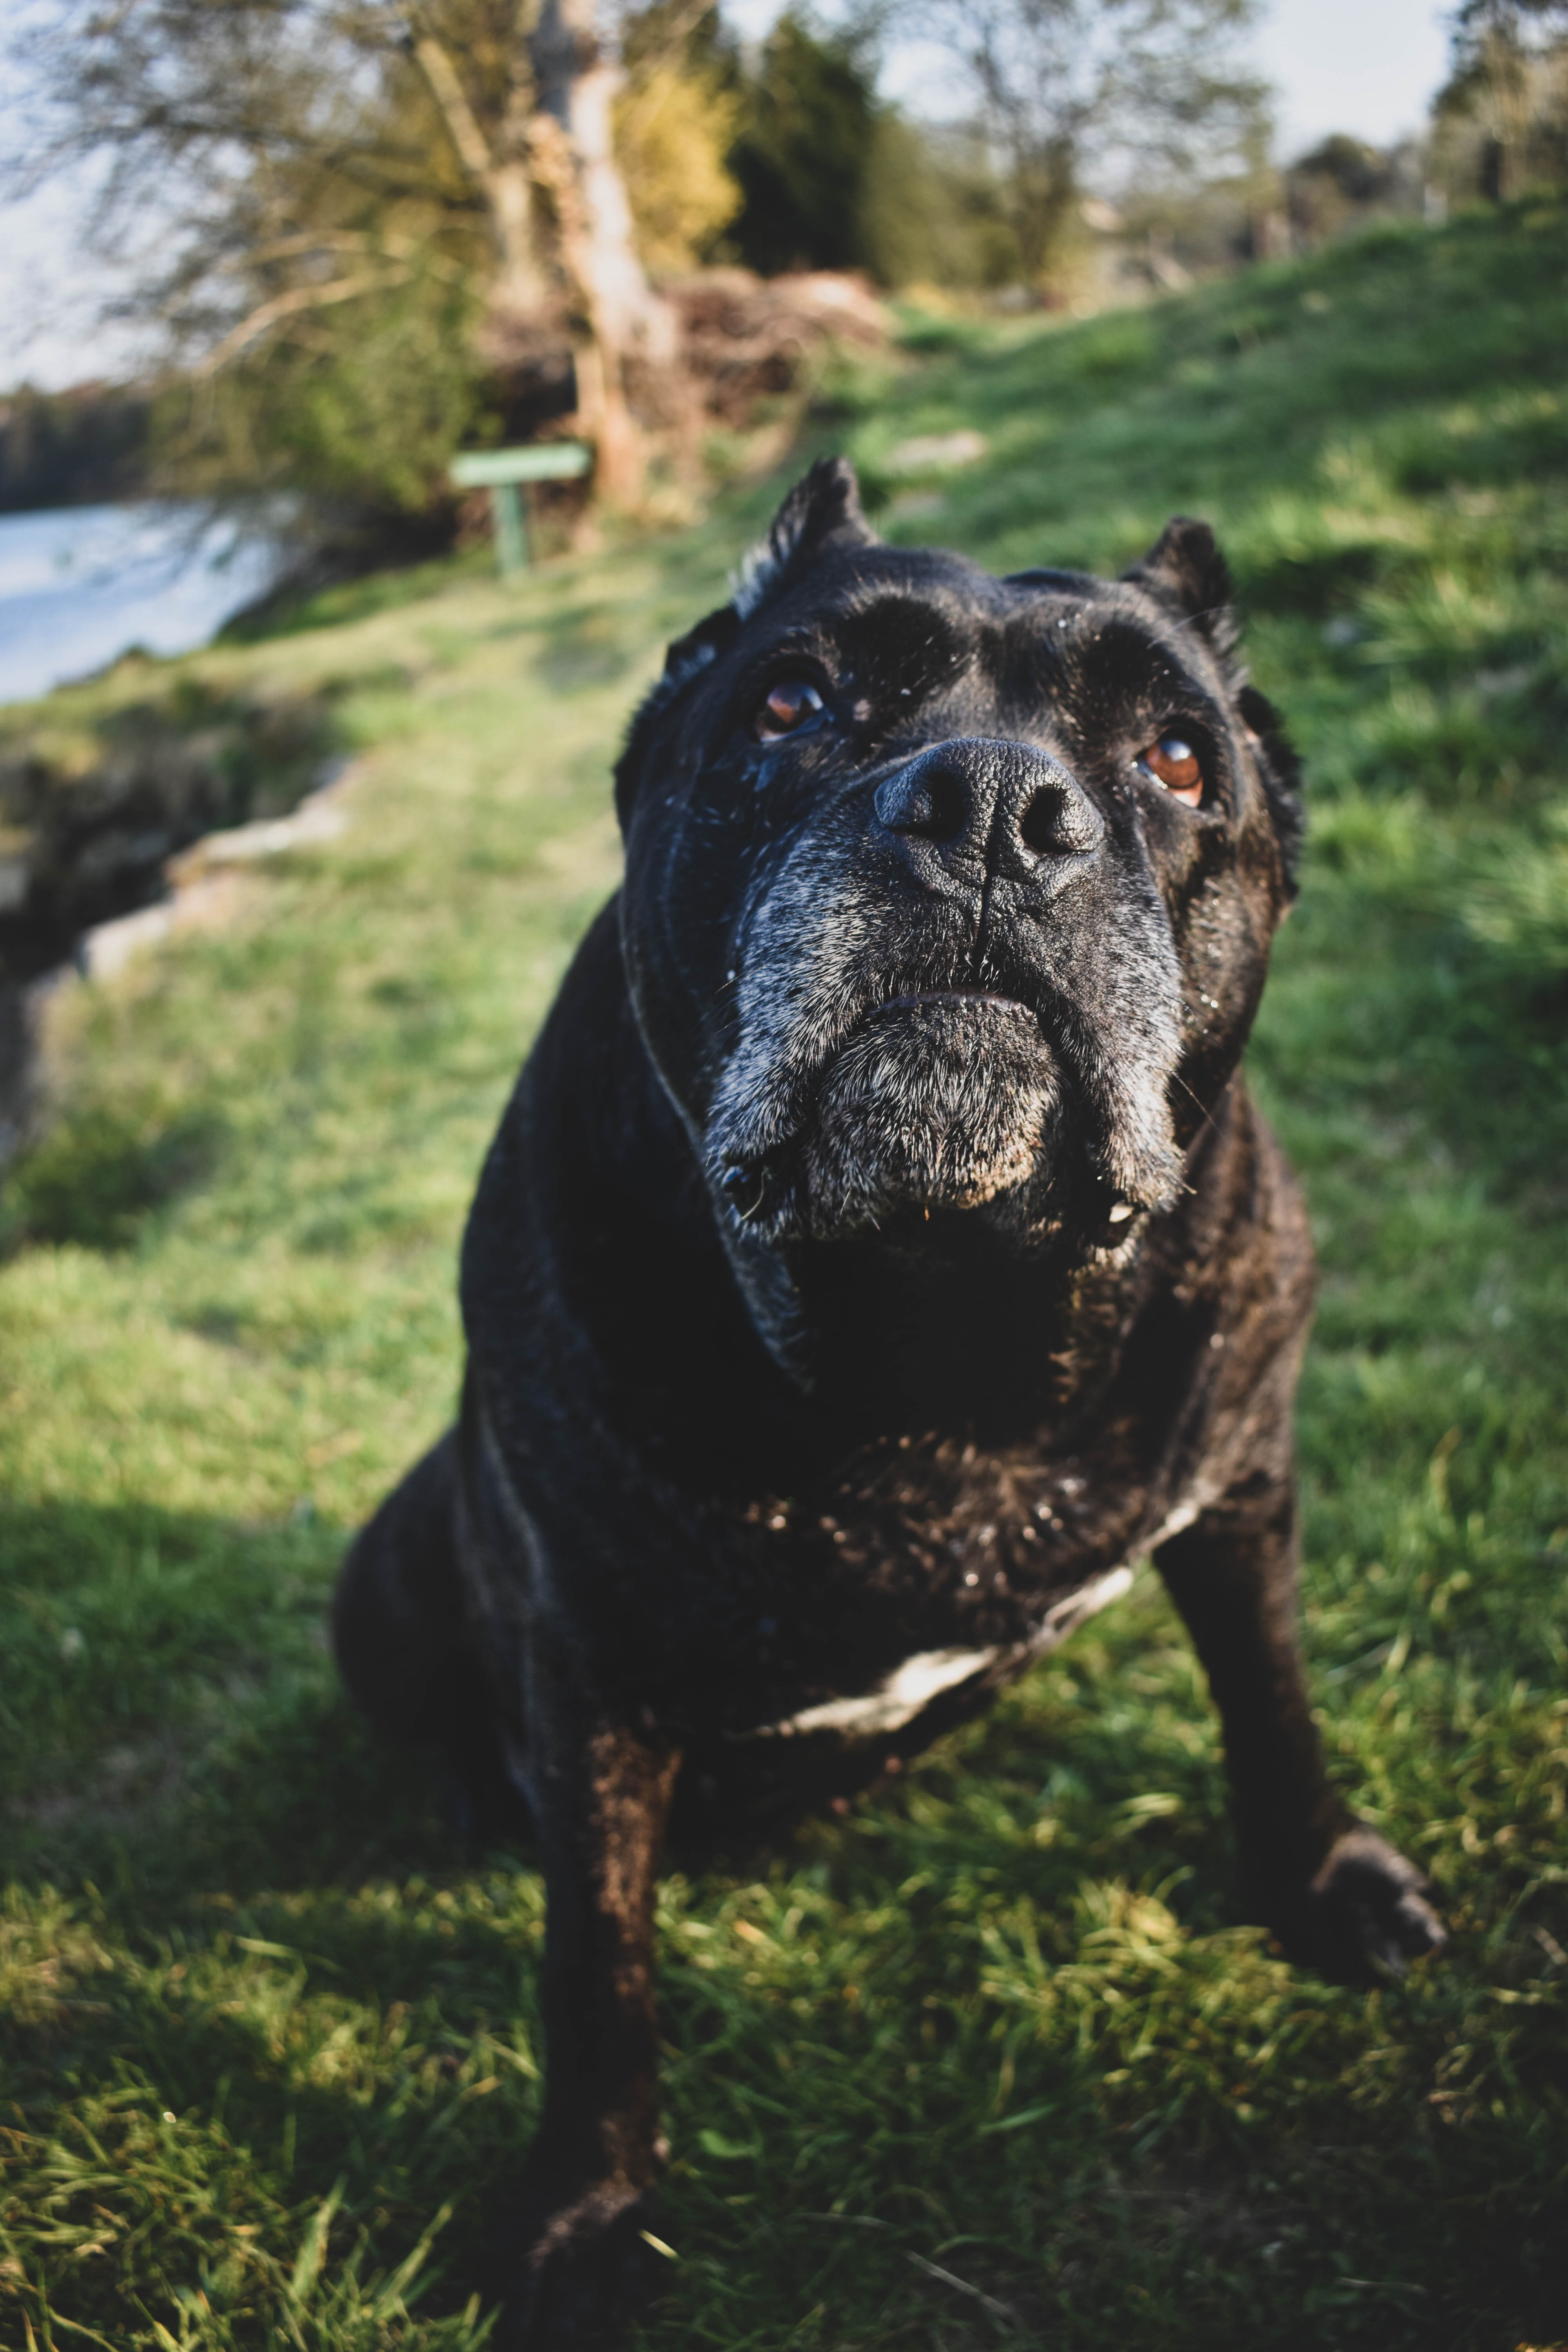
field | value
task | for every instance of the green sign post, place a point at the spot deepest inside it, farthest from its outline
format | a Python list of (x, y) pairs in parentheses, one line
[(503, 472)]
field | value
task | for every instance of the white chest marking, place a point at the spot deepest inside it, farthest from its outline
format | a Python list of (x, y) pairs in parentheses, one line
[(899, 1698)]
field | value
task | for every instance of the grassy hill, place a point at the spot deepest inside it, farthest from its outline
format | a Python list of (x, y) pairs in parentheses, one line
[(994, 2060)]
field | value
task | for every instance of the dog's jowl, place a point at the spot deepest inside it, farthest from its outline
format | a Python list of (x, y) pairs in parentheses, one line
[(881, 1251)]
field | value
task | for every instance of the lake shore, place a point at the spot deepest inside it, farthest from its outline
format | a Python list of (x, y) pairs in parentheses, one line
[(79, 586)]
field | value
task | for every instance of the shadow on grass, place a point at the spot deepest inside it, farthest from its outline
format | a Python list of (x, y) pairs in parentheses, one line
[(175, 1723), (271, 1975), (177, 1729), (273, 1978), (96, 1178)]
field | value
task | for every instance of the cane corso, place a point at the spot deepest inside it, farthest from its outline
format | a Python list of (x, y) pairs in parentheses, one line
[(880, 1252)]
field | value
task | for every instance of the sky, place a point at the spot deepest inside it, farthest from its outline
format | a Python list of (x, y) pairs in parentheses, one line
[(1368, 67)]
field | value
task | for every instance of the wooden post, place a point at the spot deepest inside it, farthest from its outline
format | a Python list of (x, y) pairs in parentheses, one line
[(503, 472), (508, 519)]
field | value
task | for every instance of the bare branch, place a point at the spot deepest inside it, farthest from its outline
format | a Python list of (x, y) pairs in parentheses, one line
[(284, 306), (441, 76), (375, 243)]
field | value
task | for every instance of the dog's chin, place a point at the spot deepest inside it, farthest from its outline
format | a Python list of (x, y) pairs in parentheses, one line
[(939, 1104)]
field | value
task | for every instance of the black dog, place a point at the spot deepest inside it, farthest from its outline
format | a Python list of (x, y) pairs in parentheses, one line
[(880, 1250)]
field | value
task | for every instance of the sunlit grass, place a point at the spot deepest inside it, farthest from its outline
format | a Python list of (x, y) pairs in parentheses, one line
[(264, 2032)]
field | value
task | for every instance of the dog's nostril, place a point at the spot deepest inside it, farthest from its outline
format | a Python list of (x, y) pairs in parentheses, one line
[(948, 806), (1056, 822), (1041, 827), (933, 802)]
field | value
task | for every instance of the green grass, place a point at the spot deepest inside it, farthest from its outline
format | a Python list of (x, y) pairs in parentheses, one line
[(268, 2045)]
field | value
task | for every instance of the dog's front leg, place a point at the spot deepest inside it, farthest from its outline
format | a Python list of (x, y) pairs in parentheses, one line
[(1337, 1894), (578, 2262)]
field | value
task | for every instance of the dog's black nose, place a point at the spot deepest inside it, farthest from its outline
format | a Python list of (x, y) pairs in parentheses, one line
[(1001, 807)]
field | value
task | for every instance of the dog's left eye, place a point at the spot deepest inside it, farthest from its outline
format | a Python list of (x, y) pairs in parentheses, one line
[(789, 704), (1172, 761)]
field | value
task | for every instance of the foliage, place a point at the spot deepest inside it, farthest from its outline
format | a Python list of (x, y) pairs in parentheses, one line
[(1147, 85), (933, 210), (292, 156), (321, 254), (59, 448), (346, 193), (1476, 21), (359, 422), (1501, 120), (801, 153), (673, 133), (1357, 172), (834, 178), (1004, 2024), (675, 122)]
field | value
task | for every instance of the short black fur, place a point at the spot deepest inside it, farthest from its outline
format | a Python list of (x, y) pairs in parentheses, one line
[(879, 1251)]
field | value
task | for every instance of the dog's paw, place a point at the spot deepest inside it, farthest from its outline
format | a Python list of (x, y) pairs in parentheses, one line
[(1364, 1913), (587, 2273)]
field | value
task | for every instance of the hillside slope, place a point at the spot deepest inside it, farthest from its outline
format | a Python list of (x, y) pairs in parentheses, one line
[(262, 2032)]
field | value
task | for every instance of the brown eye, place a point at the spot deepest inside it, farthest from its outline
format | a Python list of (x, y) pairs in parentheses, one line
[(789, 704), (1172, 761)]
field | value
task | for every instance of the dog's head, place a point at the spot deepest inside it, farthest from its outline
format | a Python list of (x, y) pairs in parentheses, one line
[(946, 895)]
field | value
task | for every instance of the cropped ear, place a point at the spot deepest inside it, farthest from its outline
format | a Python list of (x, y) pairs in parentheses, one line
[(684, 660), (821, 511), (1186, 569), (1186, 572)]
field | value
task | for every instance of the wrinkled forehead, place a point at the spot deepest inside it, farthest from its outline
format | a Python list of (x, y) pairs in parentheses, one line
[(906, 613)]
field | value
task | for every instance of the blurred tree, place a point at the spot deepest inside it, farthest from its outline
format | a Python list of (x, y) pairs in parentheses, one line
[(570, 145), (71, 448), (673, 131), (1333, 185), (676, 119), (933, 211), (1139, 87), (1475, 21), (1360, 173), (808, 127), (301, 158), (1501, 120), (356, 412)]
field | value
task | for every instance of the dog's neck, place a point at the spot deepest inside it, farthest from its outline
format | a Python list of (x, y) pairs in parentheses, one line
[(941, 1323)]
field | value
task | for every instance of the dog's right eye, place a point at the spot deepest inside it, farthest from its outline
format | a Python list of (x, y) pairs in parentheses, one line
[(787, 707)]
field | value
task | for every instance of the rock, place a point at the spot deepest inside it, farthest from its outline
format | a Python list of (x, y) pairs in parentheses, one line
[(107, 829)]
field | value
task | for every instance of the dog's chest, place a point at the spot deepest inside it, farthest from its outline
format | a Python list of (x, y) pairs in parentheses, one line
[(919, 1681), (928, 1572)]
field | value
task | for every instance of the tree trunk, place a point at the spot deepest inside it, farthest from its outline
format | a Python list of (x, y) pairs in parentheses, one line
[(566, 148), (621, 314), (519, 289), (1506, 112)]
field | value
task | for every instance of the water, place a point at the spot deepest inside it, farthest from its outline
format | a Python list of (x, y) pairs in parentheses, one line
[(80, 585)]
